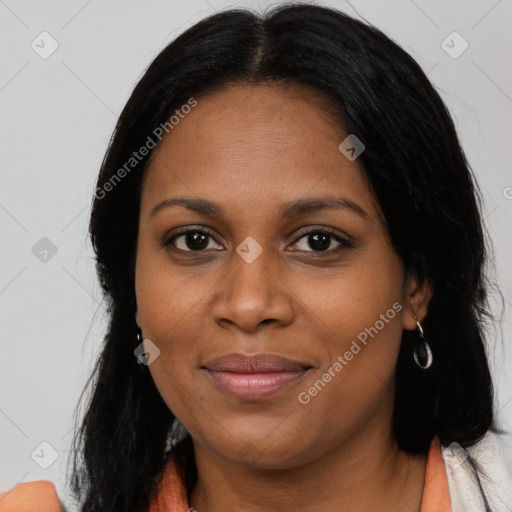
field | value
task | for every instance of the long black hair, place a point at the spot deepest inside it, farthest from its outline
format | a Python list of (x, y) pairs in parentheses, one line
[(417, 171)]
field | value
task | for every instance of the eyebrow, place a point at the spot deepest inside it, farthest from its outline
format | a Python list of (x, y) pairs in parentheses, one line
[(286, 211)]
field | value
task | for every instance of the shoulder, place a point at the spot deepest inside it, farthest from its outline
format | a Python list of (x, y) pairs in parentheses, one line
[(468, 485), (37, 496)]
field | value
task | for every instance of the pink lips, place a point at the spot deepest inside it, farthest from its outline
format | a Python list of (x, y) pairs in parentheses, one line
[(251, 377)]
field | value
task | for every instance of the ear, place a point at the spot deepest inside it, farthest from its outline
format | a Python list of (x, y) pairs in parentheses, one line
[(417, 295), (137, 319)]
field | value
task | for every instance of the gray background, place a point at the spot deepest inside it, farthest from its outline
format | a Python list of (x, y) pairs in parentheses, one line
[(57, 115)]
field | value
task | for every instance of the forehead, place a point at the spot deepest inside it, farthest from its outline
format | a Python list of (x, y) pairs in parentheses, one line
[(261, 144)]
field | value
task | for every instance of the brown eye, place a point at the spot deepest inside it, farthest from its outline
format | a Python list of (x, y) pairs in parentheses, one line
[(192, 240), (322, 241)]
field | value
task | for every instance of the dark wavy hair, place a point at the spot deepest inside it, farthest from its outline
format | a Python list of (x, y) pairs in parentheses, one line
[(417, 171)]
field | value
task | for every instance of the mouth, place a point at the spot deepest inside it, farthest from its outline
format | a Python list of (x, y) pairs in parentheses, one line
[(254, 377)]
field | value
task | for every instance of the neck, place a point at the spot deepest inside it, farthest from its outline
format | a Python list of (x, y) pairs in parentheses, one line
[(355, 475)]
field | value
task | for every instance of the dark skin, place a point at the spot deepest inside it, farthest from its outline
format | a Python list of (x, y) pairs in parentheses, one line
[(250, 149)]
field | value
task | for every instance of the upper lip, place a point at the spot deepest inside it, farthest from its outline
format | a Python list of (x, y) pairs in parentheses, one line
[(254, 363)]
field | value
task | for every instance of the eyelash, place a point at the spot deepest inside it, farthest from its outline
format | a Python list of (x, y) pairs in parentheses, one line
[(344, 242)]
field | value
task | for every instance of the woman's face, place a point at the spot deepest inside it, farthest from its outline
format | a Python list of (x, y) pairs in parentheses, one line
[(261, 277)]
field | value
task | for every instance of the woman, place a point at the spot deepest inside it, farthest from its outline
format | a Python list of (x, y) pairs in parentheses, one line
[(291, 245)]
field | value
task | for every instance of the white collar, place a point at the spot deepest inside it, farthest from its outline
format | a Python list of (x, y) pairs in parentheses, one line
[(466, 488)]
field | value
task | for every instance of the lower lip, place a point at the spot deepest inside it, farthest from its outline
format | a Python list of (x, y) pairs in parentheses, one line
[(254, 386)]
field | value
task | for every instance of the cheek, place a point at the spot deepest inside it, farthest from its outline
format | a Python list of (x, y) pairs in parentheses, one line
[(170, 306), (170, 319), (361, 360), (355, 298), (357, 379), (359, 315), (168, 300)]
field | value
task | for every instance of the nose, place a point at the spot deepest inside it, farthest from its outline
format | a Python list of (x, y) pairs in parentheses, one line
[(253, 294)]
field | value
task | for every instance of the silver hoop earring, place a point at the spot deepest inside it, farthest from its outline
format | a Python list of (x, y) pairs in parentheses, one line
[(140, 339), (422, 353)]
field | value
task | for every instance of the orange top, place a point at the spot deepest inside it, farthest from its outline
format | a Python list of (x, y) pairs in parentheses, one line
[(171, 496), (436, 496)]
